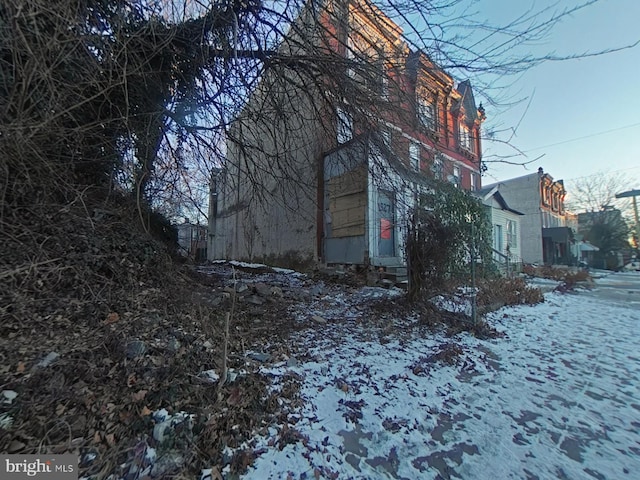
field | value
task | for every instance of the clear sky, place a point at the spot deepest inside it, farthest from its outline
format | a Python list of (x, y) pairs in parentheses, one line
[(584, 115)]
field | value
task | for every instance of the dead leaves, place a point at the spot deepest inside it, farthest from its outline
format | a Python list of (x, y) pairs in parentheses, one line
[(110, 438), (16, 446), (113, 317), (235, 397), (214, 474), (139, 395)]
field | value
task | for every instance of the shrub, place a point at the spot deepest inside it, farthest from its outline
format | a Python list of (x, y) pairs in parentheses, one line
[(498, 292)]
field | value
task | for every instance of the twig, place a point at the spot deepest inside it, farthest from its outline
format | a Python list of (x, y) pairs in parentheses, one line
[(227, 320), (9, 273)]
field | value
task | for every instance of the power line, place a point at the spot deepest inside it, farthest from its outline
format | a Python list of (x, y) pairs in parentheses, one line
[(600, 173), (583, 137)]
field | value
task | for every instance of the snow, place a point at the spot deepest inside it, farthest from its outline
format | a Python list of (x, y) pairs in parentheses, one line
[(256, 266), (210, 376), (618, 278), (558, 397)]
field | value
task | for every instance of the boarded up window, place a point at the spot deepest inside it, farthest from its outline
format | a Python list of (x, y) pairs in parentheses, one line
[(348, 203)]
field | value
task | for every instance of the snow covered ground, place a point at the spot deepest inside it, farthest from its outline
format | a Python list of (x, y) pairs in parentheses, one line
[(558, 397)]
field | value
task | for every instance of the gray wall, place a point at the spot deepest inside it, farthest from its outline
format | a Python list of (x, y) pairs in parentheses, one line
[(523, 194), (266, 207)]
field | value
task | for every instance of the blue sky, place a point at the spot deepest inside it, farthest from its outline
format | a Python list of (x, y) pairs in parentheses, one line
[(584, 115)]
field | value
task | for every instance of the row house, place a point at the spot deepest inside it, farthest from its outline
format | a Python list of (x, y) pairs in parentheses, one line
[(327, 171), (545, 236)]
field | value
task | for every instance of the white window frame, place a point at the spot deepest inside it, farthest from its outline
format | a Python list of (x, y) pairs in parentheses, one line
[(512, 233), (457, 176), (427, 113), (466, 138)]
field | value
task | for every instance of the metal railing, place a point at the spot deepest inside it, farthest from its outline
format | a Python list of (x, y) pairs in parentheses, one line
[(507, 264)]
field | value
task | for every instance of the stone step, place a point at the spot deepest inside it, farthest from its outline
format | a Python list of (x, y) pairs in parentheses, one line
[(393, 276), (399, 270)]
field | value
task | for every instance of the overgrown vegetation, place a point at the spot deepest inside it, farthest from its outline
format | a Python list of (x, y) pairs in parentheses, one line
[(494, 293), (561, 274), (569, 278), (106, 107), (448, 234)]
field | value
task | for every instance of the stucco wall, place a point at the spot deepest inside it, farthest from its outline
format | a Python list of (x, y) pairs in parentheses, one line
[(267, 201)]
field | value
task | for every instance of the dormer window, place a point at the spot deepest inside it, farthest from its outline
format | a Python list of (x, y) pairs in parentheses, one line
[(466, 138), (427, 114)]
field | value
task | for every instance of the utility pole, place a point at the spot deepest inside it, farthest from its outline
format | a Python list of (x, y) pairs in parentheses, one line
[(633, 194)]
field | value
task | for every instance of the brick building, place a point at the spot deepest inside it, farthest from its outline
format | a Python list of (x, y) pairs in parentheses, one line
[(325, 172)]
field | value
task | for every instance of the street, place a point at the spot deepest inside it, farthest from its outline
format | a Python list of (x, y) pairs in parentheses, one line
[(621, 288)]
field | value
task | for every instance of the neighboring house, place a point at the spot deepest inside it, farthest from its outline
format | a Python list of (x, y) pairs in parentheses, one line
[(506, 228), (584, 251), (192, 240), (312, 177), (607, 230), (545, 237)]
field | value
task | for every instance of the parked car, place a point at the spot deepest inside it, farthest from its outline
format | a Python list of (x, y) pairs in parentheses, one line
[(634, 265)]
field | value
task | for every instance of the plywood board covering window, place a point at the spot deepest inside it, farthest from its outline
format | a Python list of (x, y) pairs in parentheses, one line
[(348, 203)]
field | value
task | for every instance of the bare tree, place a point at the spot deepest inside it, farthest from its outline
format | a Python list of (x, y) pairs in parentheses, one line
[(598, 191), (136, 96), (602, 218), (109, 94)]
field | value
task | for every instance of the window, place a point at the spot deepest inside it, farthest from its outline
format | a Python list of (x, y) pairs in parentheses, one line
[(512, 234), (373, 74), (474, 184), (385, 82), (437, 168), (466, 139), (455, 179), (427, 114), (414, 156), (366, 64), (546, 196), (345, 126)]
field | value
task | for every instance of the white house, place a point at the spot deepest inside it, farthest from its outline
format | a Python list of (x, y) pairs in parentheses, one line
[(505, 223)]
